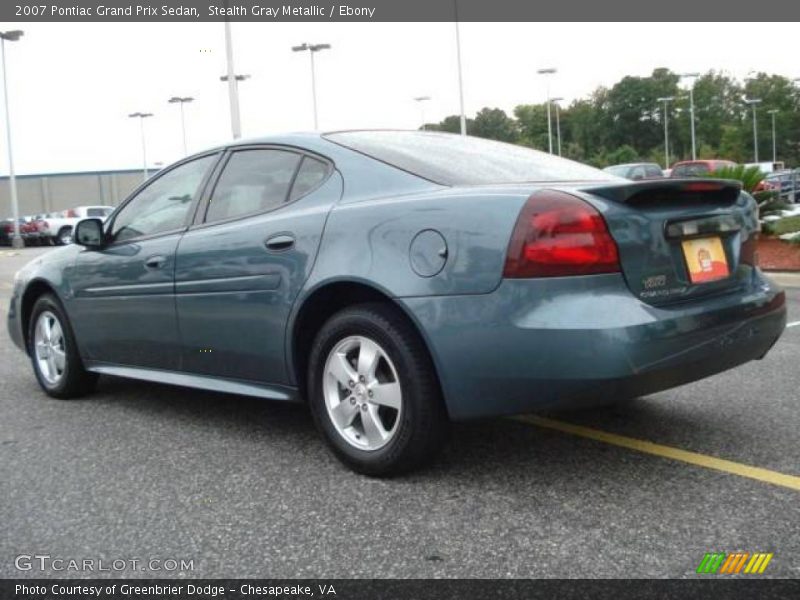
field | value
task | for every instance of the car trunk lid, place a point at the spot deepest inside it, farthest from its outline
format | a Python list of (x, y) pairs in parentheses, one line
[(679, 239)]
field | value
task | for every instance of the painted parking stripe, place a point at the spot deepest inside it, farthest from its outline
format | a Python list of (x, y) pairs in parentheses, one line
[(702, 460), (794, 324)]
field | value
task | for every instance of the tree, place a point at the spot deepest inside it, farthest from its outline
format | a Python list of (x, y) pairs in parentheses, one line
[(494, 124)]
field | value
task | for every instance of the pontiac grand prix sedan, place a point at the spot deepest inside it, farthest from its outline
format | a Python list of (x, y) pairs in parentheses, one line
[(399, 280)]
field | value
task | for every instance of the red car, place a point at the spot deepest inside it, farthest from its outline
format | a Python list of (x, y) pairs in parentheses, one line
[(701, 168)]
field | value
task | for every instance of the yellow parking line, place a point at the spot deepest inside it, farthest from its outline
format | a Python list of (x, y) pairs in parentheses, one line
[(702, 460)]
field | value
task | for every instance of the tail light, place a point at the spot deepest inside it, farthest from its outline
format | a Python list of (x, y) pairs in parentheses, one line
[(70, 214), (558, 235)]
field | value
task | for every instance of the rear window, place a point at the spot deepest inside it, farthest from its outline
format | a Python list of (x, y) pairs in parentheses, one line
[(694, 170), (451, 159)]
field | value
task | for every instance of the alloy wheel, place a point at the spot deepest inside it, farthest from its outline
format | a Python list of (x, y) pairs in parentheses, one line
[(362, 393), (50, 348)]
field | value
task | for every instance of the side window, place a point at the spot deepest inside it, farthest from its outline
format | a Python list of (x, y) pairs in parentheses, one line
[(653, 171), (312, 172), (164, 204), (637, 173), (253, 181)]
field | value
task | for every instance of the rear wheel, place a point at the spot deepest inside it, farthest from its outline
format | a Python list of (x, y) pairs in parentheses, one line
[(374, 393), (54, 354)]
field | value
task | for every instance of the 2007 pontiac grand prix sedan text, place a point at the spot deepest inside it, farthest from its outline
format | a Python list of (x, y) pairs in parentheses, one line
[(399, 280)]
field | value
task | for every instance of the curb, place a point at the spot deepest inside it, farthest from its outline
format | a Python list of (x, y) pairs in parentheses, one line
[(785, 278)]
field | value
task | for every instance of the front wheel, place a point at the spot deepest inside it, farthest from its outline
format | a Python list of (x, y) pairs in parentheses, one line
[(374, 392), (65, 236), (54, 354)]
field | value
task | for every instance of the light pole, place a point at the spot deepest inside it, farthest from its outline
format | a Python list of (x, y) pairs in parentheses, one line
[(232, 79), (693, 77), (236, 119), (421, 100), (181, 101), (555, 101), (772, 113), (666, 100), (460, 74), (548, 71), (312, 49), (11, 36), (754, 102), (142, 116)]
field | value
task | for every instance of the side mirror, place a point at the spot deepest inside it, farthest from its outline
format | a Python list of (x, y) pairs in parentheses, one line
[(89, 233)]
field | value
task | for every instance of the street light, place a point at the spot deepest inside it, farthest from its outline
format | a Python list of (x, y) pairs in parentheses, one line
[(555, 101), (463, 115), (181, 101), (421, 100), (142, 116), (666, 100), (232, 79), (16, 239), (236, 119), (548, 71), (754, 102), (692, 76), (312, 49), (774, 112)]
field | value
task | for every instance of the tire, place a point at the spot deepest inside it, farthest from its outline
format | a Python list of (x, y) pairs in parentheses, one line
[(64, 237), (71, 380), (402, 375)]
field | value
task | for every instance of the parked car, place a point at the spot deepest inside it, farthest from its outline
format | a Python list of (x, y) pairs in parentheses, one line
[(58, 228), (6, 231), (787, 182), (636, 171), (29, 230), (399, 280), (702, 168)]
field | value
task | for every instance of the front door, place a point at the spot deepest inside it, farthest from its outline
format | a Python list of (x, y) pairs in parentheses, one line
[(123, 309)]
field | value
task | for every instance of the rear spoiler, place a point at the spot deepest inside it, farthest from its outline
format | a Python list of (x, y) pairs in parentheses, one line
[(656, 190)]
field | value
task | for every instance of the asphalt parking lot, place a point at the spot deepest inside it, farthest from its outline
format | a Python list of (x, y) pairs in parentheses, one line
[(245, 488)]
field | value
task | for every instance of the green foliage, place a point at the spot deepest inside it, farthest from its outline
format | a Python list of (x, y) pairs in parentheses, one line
[(773, 206), (750, 177), (495, 124), (623, 154), (629, 114), (785, 225)]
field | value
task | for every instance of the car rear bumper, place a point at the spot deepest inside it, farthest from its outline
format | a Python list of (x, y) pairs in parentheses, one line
[(565, 342)]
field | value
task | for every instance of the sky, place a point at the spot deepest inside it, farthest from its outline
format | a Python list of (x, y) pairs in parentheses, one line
[(73, 85)]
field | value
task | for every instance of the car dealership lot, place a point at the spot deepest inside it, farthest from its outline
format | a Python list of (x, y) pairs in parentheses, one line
[(245, 487)]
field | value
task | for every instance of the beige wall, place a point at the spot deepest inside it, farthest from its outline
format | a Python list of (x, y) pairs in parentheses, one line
[(39, 194)]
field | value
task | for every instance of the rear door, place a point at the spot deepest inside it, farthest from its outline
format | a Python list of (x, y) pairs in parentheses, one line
[(680, 240), (241, 266), (123, 309)]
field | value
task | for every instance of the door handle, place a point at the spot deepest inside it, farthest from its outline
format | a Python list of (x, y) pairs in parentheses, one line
[(280, 242), (155, 262)]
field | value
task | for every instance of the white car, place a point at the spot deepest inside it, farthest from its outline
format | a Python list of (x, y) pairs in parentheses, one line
[(59, 228)]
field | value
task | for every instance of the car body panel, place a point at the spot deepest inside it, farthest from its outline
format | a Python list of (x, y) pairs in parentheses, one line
[(113, 281), (575, 341), (234, 295)]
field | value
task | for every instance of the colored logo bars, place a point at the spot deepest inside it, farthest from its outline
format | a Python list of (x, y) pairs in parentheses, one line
[(739, 562)]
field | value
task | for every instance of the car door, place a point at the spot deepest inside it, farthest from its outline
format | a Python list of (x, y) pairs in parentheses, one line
[(240, 268), (123, 309)]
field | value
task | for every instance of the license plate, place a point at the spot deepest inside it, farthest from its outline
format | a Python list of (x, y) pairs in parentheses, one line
[(705, 259)]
